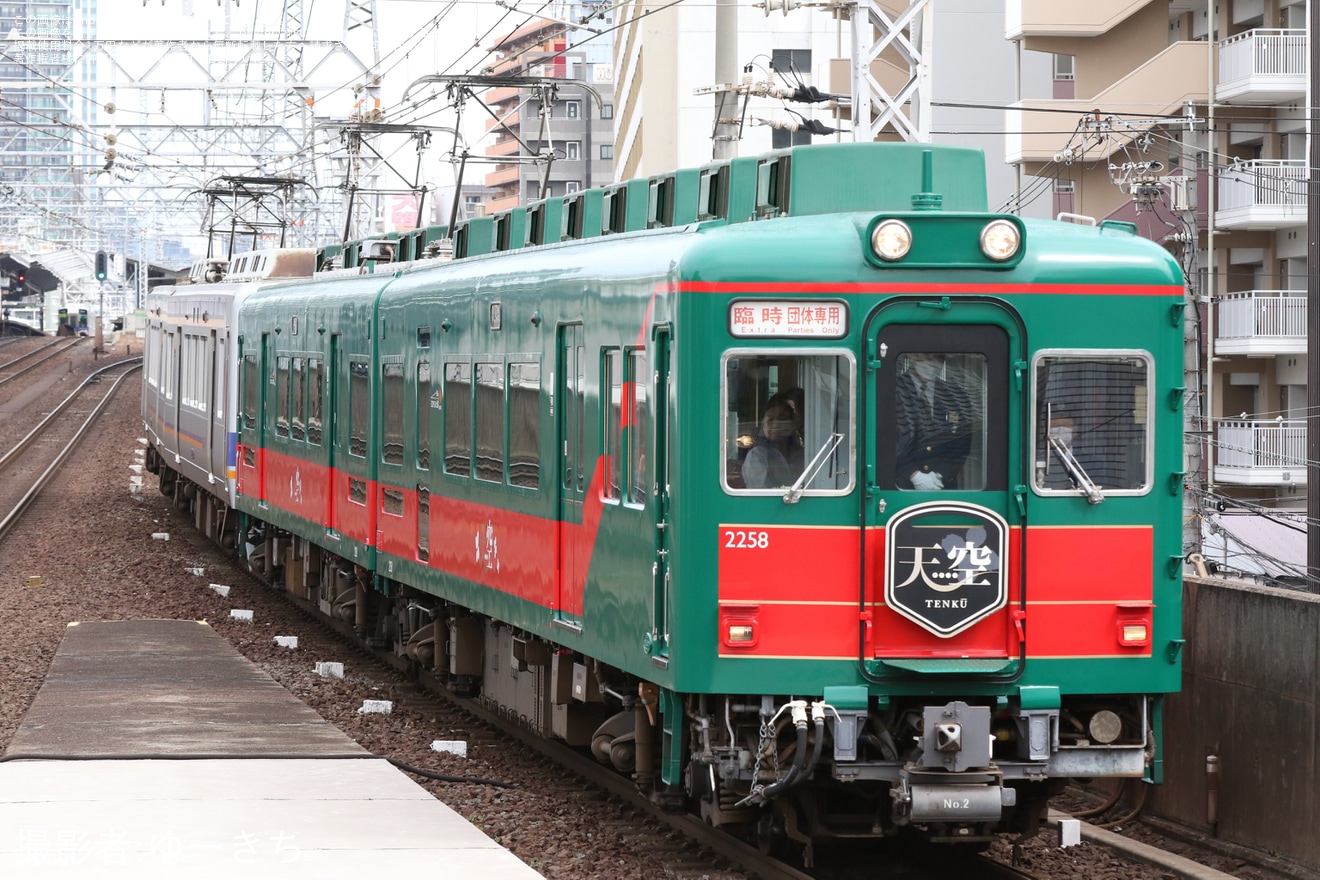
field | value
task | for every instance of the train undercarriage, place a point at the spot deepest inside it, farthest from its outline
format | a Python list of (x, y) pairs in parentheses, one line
[(775, 769)]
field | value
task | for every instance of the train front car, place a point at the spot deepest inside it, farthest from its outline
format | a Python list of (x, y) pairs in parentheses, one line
[(923, 537)]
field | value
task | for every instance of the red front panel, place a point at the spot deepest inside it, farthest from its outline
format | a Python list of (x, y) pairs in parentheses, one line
[(1082, 583), (797, 588)]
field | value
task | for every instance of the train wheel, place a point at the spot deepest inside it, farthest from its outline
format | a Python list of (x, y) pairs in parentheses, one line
[(770, 837)]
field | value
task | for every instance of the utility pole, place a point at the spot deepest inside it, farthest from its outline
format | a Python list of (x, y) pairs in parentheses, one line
[(725, 144), (1313, 311)]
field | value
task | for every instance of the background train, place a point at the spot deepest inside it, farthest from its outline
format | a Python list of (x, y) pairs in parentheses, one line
[(804, 489)]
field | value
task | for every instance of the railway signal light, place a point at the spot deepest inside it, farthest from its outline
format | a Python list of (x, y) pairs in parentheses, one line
[(101, 262)]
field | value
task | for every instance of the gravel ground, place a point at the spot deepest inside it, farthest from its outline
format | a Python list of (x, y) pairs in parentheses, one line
[(89, 541)]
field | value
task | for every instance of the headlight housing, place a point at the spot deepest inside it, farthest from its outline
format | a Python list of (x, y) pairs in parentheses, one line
[(891, 240), (1000, 240)]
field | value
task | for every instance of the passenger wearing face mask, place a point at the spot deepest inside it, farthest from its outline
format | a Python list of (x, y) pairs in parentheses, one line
[(935, 419), (775, 460)]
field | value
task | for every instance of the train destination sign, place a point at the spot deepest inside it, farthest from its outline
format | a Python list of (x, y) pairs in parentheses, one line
[(811, 319)]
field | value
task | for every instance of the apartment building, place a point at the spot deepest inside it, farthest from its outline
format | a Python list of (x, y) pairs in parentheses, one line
[(1189, 118), (572, 122), (43, 159)]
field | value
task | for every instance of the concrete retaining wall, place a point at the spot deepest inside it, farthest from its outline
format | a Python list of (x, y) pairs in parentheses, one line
[(1251, 678)]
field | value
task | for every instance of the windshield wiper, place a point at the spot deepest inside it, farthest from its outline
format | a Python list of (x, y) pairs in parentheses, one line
[(1085, 484), (809, 472)]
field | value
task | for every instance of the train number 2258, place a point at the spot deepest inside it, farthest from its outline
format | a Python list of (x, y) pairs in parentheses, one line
[(738, 539)]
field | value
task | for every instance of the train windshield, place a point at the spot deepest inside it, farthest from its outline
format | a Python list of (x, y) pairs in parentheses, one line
[(1092, 423), (939, 414), (786, 415)]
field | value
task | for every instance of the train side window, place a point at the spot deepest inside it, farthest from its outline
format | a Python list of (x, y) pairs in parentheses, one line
[(490, 421), (536, 225), (612, 382), (251, 391), (503, 231), (525, 425), (772, 187), (219, 358), (423, 523), (571, 221), (391, 383), (316, 387), (636, 403), (359, 407), (282, 396), (424, 415), (299, 399), (713, 194), (458, 419), (614, 214), (1092, 418), (185, 365), (784, 410)]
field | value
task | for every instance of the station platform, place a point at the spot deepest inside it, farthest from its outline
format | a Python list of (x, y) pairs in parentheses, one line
[(153, 749)]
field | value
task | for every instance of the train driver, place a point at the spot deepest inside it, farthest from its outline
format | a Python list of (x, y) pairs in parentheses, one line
[(936, 420)]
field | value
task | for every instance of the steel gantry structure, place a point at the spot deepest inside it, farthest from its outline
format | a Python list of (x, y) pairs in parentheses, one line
[(117, 142)]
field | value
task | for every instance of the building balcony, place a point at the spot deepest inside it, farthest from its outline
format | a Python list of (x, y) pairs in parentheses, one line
[(1260, 453), (495, 205), (1261, 323), (503, 95), (503, 176), (1160, 87), (1266, 194), (510, 120), (505, 147), (1262, 66), (1050, 18)]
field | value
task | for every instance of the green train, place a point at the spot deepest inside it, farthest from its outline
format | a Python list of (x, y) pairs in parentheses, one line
[(802, 488)]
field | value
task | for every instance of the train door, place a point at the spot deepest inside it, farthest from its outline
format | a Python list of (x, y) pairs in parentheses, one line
[(330, 432), (173, 374), (219, 461), (573, 551), (265, 406), (945, 507), (658, 639)]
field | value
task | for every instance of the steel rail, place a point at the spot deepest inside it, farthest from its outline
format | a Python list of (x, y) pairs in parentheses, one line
[(36, 363), (41, 427), (14, 516)]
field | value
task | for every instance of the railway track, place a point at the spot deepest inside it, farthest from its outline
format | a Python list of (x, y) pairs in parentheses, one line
[(35, 459), (25, 363), (694, 848)]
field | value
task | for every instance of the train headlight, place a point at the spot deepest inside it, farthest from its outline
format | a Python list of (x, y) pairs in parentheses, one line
[(1135, 634), (1000, 240), (741, 633), (891, 240)]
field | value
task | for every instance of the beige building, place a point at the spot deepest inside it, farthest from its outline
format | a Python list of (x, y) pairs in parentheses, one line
[(1196, 130), (666, 53)]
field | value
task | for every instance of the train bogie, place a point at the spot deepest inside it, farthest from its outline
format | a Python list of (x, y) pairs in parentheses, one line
[(801, 487)]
